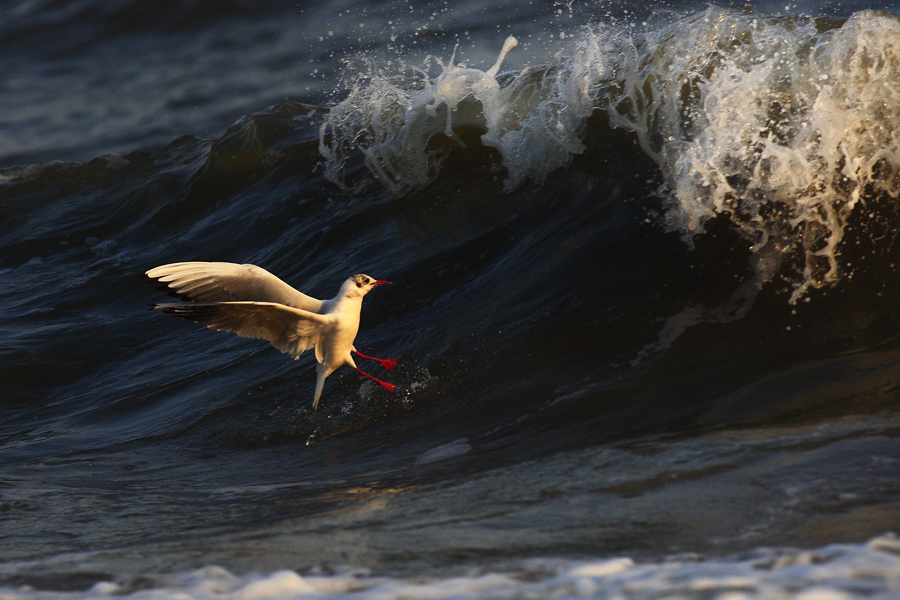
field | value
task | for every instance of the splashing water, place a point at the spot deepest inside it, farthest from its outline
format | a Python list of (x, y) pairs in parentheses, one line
[(456, 84), (783, 126), (772, 123), (534, 118)]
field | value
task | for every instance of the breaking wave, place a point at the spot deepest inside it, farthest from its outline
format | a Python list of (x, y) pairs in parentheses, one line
[(782, 126), (835, 572)]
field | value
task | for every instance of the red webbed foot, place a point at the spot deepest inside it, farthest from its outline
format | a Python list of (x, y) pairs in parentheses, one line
[(388, 386), (387, 363)]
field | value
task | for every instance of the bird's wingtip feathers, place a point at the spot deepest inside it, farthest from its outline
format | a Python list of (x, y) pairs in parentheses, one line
[(161, 286)]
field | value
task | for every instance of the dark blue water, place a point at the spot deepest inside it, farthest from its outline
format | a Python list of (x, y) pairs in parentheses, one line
[(644, 301)]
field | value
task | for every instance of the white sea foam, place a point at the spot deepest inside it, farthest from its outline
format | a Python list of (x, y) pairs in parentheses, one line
[(534, 118), (783, 129), (870, 571), (783, 126)]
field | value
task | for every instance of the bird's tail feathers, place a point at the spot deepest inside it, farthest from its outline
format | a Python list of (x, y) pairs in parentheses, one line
[(321, 374)]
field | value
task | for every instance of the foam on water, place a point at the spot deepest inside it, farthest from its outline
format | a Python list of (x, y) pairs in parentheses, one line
[(836, 572), (783, 126), (534, 118), (784, 129)]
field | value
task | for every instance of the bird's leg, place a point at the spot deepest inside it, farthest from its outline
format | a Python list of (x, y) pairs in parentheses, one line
[(388, 386), (387, 363)]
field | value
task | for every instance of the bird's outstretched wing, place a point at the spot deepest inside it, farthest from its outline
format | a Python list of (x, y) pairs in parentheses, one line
[(289, 329), (228, 282)]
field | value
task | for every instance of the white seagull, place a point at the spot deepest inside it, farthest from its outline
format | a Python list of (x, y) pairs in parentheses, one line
[(253, 303)]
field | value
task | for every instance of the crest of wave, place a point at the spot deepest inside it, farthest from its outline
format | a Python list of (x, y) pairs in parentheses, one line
[(535, 118), (782, 127)]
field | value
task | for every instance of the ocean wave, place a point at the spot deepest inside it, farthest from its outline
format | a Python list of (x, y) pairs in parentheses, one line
[(835, 572), (782, 126)]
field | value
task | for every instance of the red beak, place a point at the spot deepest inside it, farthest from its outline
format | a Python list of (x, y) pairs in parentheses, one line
[(381, 282)]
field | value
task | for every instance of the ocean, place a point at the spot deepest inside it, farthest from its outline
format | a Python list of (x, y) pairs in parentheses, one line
[(645, 299)]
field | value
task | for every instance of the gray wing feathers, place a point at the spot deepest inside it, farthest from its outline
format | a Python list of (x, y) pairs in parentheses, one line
[(291, 330), (228, 282)]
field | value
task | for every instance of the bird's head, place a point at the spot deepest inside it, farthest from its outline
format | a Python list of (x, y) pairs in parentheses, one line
[(360, 285)]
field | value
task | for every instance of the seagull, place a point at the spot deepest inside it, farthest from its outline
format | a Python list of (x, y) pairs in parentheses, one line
[(253, 303)]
